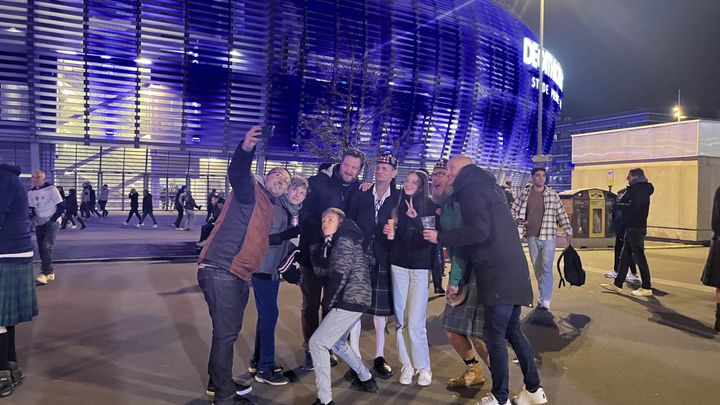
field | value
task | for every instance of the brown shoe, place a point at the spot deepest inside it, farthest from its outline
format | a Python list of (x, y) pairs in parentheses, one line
[(473, 376)]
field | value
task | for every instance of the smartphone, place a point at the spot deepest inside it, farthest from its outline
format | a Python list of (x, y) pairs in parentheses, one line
[(267, 131)]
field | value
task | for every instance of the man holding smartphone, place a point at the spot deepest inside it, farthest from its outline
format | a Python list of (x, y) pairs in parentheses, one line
[(234, 251)]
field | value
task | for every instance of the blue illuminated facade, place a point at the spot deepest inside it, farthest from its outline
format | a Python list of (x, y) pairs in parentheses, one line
[(174, 84)]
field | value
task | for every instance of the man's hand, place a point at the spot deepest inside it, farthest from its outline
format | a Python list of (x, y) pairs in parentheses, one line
[(252, 137), (569, 239), (430, 235), (452, 289), (365, 186), (521, 221)]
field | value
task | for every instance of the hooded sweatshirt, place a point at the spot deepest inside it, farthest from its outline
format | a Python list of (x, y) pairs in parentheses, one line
[(635, 204), (14, 222)]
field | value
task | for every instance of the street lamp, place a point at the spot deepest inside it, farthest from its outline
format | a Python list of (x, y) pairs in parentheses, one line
[(677, 111), (539, 158)]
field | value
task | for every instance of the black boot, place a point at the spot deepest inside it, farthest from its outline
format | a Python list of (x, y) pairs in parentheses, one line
[(717, 317), (16, 373)]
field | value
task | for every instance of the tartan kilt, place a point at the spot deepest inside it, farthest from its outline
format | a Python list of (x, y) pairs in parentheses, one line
[(18, 299), (466, 319), (382, 304)]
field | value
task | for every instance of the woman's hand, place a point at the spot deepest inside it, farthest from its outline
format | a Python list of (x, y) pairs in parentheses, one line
[(410, 210)]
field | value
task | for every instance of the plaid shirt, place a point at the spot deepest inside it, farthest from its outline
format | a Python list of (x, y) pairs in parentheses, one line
[(554, 213)]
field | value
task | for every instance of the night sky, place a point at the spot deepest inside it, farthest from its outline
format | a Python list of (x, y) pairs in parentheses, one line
[(621, 55)]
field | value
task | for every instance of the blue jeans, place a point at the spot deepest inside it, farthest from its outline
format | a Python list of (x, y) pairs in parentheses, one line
[(542, 256), (226, 296), (266, 294), (502, 322)]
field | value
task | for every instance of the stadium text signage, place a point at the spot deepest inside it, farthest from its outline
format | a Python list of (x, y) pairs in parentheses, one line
[(551, 67)]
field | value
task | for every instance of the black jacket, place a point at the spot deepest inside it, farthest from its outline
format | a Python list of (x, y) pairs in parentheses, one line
[(134, 200), (14, 220), (71, 205), (147, 203), (488, 240), (326, 189), (635, 204), (409, 249), (716, 213), (361, 209), (348, 285)]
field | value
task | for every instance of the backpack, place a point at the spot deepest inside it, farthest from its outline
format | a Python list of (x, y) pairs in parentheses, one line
[(572, 267)]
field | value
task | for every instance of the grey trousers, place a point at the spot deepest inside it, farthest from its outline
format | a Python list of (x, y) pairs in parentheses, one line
[(333, 334)]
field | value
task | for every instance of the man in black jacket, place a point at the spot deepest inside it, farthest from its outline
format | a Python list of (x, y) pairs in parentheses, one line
[(489, 241), (635, 206), (328, 189)]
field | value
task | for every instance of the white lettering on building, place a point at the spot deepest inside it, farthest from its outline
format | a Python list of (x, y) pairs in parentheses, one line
[(551, 67)]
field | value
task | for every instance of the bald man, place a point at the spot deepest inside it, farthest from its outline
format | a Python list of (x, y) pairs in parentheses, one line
[(487, 238), (46, 208)]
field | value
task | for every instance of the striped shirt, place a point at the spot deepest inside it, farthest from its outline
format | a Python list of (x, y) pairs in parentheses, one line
[(553, 215)]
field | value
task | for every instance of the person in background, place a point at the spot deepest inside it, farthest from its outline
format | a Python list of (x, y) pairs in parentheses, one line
[(507, 188), (147, 209), (134, 206), (208, 226), (619, 229), (71, 211), (93, 202), (85, 201), (17, 289), (189, 206), (439, 189), (103, 199), (711, 273), (46, 208), (179, 207), (208, 201), (347, 296)]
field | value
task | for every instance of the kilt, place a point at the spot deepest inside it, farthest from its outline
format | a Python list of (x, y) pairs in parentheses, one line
[(466, 319), (18, 300), (381, 304), (711, 273)]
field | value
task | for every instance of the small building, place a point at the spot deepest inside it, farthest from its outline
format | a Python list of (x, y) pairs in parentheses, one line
[(682, 160)]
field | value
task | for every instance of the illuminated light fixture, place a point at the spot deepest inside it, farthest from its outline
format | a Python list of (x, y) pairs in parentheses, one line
[(143, 61), (64, 52), (196, 139), (235, 52), (106, 57), (13, 30)]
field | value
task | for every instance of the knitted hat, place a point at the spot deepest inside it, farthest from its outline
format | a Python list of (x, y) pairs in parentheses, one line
[(441, 164)]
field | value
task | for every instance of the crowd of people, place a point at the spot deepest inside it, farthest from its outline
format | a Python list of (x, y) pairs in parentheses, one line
[(353, 248)]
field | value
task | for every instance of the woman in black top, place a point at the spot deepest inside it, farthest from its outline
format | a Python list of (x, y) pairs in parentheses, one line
[(411, 260), (134, 204)]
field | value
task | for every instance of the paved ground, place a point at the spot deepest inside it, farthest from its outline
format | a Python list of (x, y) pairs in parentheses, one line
[(138, 333)]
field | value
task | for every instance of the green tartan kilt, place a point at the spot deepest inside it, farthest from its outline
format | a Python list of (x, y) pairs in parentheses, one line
[(18, 299)]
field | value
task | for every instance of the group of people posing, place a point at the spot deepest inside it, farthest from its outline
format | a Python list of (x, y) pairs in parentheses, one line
[(367, 248)]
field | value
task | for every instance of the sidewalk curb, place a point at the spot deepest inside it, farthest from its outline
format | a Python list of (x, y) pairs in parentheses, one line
[(123, 259)]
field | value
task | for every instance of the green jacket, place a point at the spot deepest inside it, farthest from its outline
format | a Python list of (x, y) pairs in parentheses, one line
[(451, 218)]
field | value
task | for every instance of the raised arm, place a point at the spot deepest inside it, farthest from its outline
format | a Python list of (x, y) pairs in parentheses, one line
[(239, 173)]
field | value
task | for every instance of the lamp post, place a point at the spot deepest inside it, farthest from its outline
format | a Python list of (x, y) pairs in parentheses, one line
[(539, 158), (677, 112)]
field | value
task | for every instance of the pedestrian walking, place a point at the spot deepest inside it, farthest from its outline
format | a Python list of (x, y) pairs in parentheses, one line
[(235, 251), (635, 206), (410, 262), (134, 206), (179, 207), (85, 201), (93, 202), (71, 211), (46, 208), (189, 206), (711, 273), (347, 296), (103, 200), (147, 209), (538, 212), (18, 299), (490, 243)]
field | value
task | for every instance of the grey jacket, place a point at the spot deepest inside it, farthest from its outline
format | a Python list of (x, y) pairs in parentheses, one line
[(284, 209), (348, 285)]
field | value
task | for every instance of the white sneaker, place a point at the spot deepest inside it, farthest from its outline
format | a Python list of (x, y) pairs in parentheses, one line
[(631, 278), (73, 227), (490, 399), (530, 398), (125, 223), (138, 225), (641, 292), (611, 274), (42, 279), (155, 226), (406, 374), (612, 287), (141, 224), (424, 377), (544, 304)]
